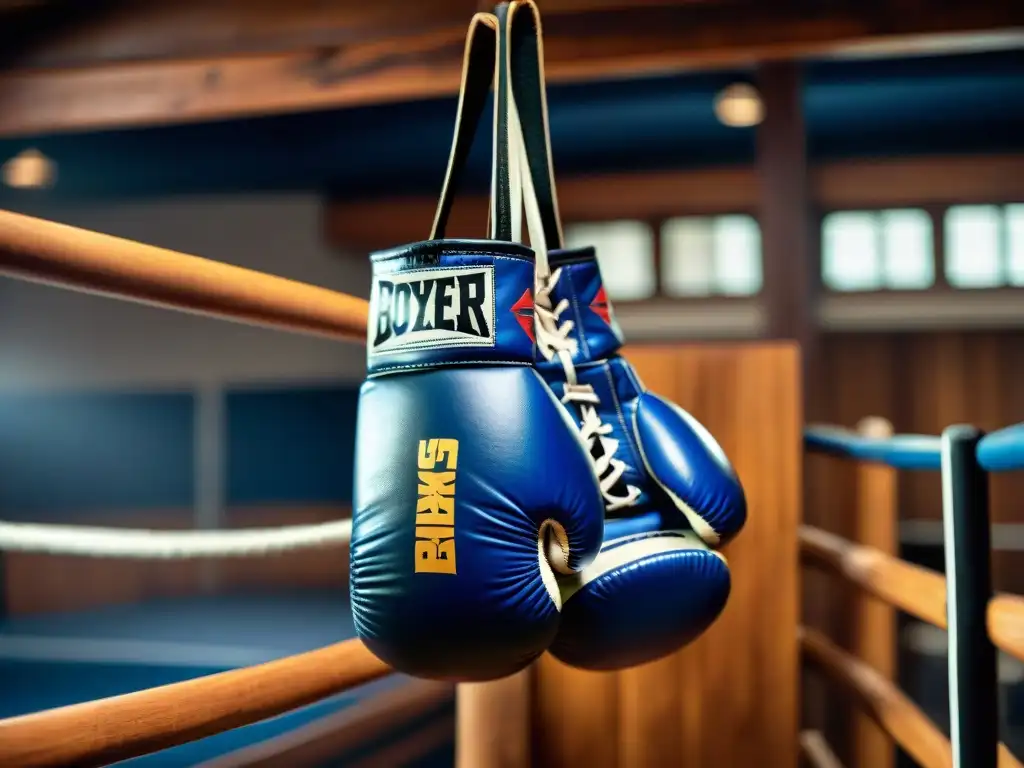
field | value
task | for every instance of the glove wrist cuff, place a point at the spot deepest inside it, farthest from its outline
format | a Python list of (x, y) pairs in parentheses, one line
[(595, 329), (450, 302)]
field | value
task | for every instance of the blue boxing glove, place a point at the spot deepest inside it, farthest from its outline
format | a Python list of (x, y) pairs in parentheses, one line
[(465, 465), (670, 494), (473, 490)]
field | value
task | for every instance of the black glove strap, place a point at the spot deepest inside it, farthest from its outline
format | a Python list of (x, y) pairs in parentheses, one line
[(485, 60), (526, 58), (515, 52)]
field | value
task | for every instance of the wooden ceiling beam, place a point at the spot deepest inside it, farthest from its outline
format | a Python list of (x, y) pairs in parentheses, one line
[(177, 65), (154, 30)]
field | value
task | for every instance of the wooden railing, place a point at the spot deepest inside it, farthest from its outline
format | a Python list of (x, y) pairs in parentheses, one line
[(960, 601), (425, 709)]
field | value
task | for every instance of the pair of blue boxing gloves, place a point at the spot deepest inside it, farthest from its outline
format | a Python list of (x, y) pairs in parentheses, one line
[(517, 489)]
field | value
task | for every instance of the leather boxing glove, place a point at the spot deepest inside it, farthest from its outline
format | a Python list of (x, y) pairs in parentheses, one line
[(473, 490), (669, 491), (465, 463)]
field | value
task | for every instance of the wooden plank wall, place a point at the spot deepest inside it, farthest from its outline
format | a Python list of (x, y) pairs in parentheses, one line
[(42, 583), (732, 697)]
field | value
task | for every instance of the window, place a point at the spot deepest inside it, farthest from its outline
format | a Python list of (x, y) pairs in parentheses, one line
[(1015, 235), (625, 252), (711, 255), (875, 250), (985, 246)]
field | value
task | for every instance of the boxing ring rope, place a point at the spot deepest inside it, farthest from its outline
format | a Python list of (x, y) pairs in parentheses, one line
[(883, 701), (1003, 451), (817, 752), (886, 704), (899, 451), (980, 621), (140, 544), (104, 731), (45, 252), (918, 591), (911, 588), (353, 728), (77, 259), (118, 728)]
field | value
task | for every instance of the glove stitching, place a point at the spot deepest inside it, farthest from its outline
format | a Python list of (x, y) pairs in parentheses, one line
[(630, 441), (491, 254), (444, 364), (580, 335)]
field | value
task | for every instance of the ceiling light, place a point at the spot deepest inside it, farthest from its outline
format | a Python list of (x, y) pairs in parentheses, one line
[(30, 169), (739, 106)]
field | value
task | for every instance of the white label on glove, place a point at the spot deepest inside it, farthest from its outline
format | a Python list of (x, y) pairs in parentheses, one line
[(431, 309)]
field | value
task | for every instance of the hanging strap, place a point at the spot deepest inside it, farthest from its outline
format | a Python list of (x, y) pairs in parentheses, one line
[(529, 91), (509, 45), (485, 63)]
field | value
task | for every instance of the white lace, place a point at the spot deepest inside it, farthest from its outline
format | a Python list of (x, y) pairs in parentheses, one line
[(553, 338)]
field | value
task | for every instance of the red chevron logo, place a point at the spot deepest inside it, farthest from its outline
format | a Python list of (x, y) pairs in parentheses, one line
[(523, 310), (601, 307)]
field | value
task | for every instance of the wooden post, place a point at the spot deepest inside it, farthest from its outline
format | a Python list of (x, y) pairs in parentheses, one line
[(790, 253), (876, 524), (790, 266), (492, 723)]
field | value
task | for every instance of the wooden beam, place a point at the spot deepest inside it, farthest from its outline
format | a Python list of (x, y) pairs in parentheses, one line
[(789, 281), (191, 61), (190, 29), (150, 30), (790, 274)]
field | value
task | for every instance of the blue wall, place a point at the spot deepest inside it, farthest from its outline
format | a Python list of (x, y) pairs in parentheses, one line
[(291, 446), (65, 453), (109, 451)]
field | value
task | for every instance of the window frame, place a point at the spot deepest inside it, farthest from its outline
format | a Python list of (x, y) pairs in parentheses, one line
[(1003, 239), (937, 212), (655, 223), (934, 213)]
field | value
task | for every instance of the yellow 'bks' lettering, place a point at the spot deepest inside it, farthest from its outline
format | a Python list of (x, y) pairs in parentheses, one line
[(431, 452), (435, 550), (436, 503), (435, 506)]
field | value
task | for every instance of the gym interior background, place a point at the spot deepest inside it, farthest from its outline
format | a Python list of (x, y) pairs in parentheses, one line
[(850, 177)]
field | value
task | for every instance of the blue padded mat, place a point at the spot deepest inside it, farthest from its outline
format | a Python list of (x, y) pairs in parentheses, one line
[(57, 659)]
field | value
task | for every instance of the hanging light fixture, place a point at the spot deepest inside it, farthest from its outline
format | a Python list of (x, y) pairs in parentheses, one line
[(29, 169), (739, 106)]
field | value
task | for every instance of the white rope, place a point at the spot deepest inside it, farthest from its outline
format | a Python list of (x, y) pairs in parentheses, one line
[(90, 541)]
